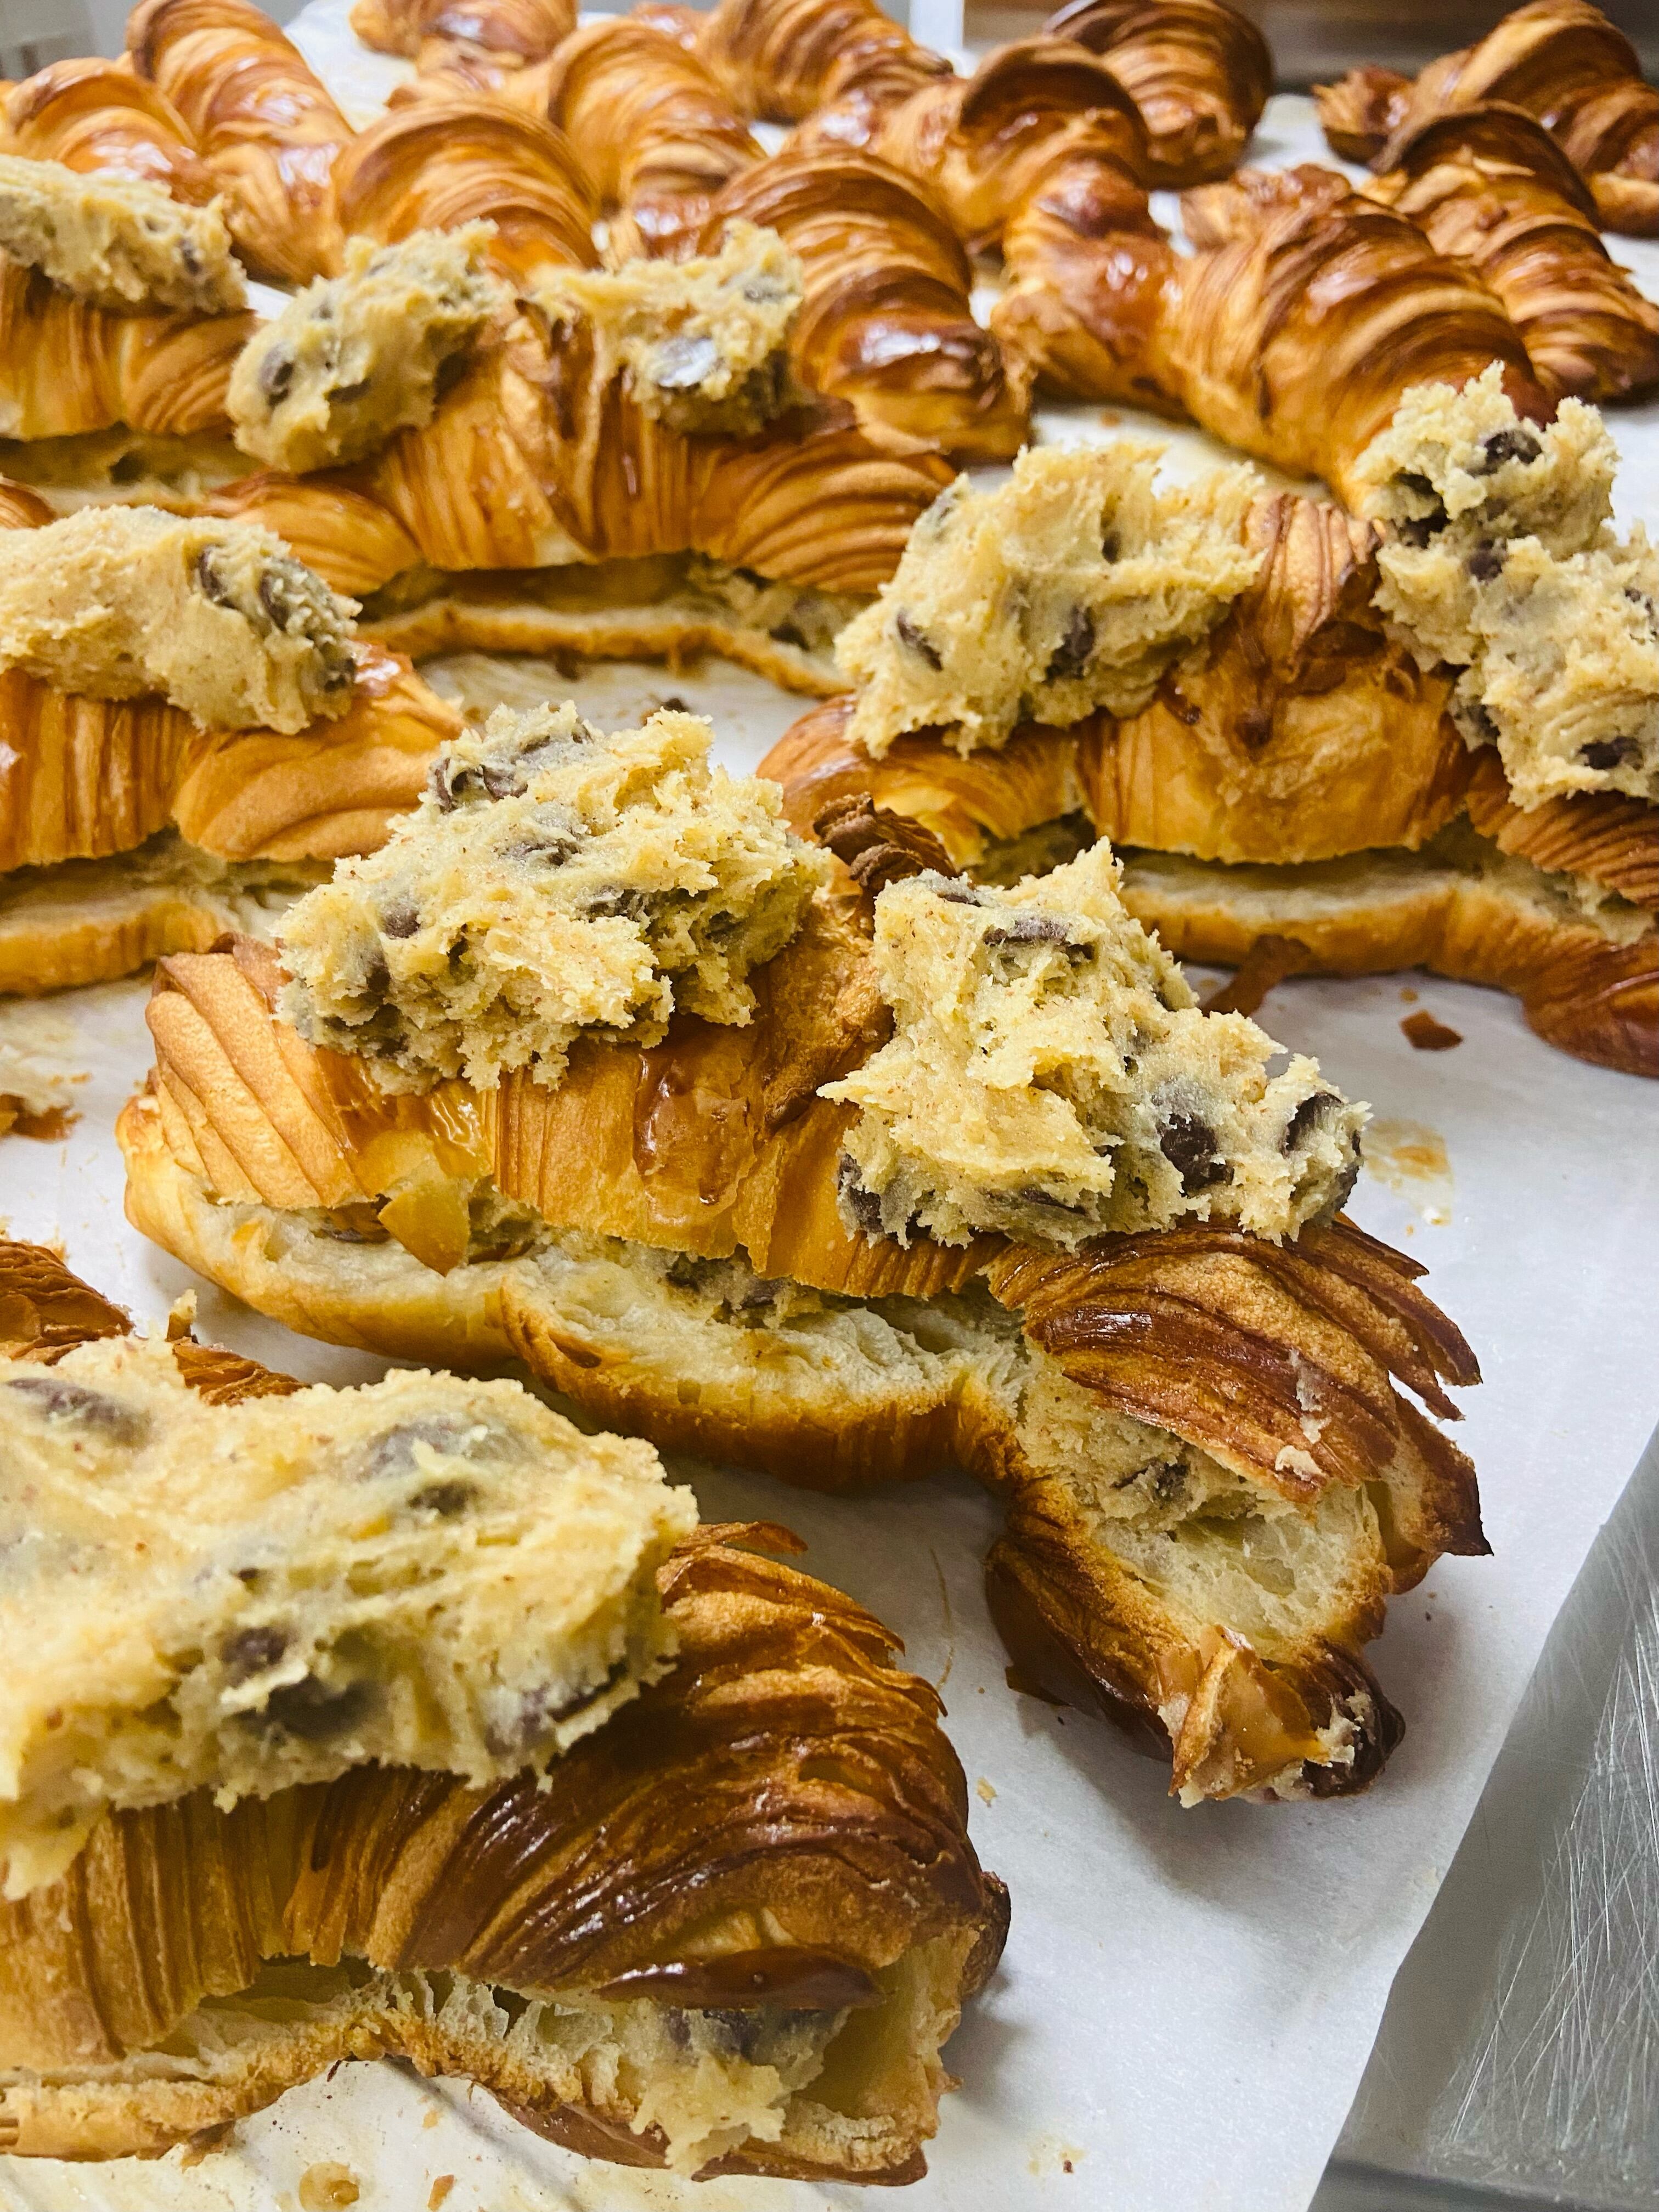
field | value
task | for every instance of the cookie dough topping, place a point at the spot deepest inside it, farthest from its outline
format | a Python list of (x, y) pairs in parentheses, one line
[(1072, 586), (219, 617), (354, 358), (705, 343), (1501, 562), (426, 1571), (1050, 1077), (117, 241), (553, 880)]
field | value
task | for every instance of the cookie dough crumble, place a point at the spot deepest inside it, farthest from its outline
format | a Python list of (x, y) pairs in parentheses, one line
[(117, 241), (1050, 1077), (552, 881)]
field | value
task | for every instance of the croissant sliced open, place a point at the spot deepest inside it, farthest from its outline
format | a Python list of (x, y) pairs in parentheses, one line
[(730, 1935)]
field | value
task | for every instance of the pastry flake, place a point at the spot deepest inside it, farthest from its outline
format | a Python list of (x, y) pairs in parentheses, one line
[(424, 1571), (1050, 1077), (705, 342), (354, 358), (220, 617), (553, 880), (116, 241), (1072, 586)]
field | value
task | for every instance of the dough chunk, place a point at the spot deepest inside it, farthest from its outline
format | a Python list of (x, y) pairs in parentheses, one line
[(705, 343), (1051, 1077), (116, 241), (425, 1572), (1501, 562), (219, 617), (551, 881), (1070, 586), (354, 358)]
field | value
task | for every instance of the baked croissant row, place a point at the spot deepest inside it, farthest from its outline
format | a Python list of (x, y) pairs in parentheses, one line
[(490, 39), (1488, 185), (1561, 60), (673, 1214), (262, 122), (783, 59), (763, 1860)]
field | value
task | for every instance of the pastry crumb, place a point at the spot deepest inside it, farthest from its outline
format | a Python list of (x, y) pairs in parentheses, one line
[(1424, 1033), (439, 2193), (327, 2186)]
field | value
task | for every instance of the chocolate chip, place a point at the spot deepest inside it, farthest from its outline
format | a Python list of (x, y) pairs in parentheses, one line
[(551, 852), (862, 1204), (1480, 720), (1609, 752), (400, 919), (1111, 546), (342, 393), (1187, 1142), (1314, 1110), (1037, 929), (681, 364), (377, 976), (538, 1716), (190, 256), (277, 376), (616, 901), (1484, 563), (1168, 1482), (959, 893), (446, 1499), (917, 640), (1516, 444), (209, 580), (1071, 655), (275, 598), (455, 1436), (310, 1710), (252, 1652), (737, 2033), (54, 1400)]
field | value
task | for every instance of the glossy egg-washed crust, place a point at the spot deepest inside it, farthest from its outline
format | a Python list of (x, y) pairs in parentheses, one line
[(781, 1812), (715, 1143)]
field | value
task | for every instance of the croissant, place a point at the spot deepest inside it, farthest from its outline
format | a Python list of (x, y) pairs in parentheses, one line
[(1490, 186), (763, 1860), (67, 366), (674, 1213), (886, 323), (495, 38), (781, 59), (1560, 60), (656, 132), (539, 457), (1199, 71), (440, 164), (95, 116), (1304, 314), (264, 125)]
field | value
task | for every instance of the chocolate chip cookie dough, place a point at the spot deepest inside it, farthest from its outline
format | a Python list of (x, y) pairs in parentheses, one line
[(1050, 1076), (354, 358), (116, 241), (705, 342), (1070, 587), (553, 880), (425, 1572), (219, 617)]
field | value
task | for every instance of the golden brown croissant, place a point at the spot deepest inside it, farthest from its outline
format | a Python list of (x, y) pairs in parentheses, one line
[(1560, 60), (538, 456), (263, 123), (781, 59), (1292, 330), (885, 323), (67, 366), (1489, 186), (810, 1901), (1199, 71), (655, 130), (673, 1214), (497, 36), (440, 164), (95, 116)]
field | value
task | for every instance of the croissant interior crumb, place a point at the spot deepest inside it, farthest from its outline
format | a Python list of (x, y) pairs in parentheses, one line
[(355, 357), (705, 342), (1050, 1077), (425, 1572), (116, 241), (220, 617), (552, 881), (1072, 586)]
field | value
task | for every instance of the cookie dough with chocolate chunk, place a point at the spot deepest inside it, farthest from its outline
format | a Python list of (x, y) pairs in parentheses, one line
[(220, 617), (705, 342), (116, 241), (425, 1572), (354, 358), (1050, 1076), (1070, 586), (552, 881)]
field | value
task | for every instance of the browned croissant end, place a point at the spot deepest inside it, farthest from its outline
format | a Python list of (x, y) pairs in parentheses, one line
[(1199, 70)]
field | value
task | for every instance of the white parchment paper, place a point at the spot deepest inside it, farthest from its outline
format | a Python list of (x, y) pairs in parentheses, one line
[(1187, 1999)]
